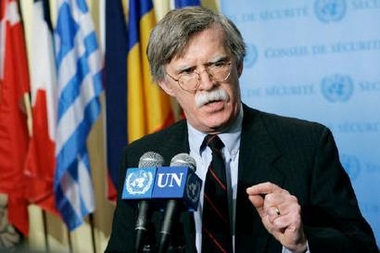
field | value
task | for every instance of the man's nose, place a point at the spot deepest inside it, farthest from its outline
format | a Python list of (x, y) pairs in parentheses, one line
[(206, 80)]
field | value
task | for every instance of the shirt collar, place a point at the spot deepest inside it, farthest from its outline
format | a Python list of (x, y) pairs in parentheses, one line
[(230, 137)]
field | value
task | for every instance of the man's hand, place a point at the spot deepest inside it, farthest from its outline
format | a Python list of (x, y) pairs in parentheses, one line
[(280, 214)]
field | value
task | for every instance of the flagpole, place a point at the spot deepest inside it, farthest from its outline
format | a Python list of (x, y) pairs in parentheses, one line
[(44, 221), (28, 111), (69, 240), (92, 225)]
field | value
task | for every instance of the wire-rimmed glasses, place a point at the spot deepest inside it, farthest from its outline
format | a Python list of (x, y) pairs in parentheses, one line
[(189, 80)]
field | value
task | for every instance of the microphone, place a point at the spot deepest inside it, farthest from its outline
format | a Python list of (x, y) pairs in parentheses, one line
[(139, 184), (182, 187)]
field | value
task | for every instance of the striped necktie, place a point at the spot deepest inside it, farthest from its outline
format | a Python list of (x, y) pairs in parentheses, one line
[(216, 232)]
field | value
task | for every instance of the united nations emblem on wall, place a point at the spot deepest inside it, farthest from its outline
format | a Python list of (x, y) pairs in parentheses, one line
[(139, 182), (251, 57), (337, 88), (330, 10), (352, 166)]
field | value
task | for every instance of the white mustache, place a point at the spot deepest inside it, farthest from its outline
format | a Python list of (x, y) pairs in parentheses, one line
[(209, 96)]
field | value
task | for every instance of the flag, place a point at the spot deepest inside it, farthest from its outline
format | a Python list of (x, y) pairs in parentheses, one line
[(184, 3), (40, 167), (79, 69), (135, 105), (149, 108), (115, 90), (14, 87)]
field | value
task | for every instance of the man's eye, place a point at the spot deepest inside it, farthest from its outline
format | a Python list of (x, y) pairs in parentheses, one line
[(218, 64), (187, 71)]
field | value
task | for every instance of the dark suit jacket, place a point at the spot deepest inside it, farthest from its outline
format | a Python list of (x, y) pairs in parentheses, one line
[(297, 155)]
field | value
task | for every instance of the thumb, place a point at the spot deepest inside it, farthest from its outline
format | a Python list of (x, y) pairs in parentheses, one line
[(258, 202)]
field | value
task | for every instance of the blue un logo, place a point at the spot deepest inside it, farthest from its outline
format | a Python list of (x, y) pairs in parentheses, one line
[(251, 57), (330, 10), (139, 181), (337, 88), (352, 166)]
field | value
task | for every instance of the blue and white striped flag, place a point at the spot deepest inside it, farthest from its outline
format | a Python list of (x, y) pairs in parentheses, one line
[(79, 86)]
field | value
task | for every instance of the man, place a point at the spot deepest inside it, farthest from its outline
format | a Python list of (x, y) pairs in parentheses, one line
[(287, 189)]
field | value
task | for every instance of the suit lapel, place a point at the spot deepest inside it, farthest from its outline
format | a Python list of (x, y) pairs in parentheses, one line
[(258, 153), (174, 141)]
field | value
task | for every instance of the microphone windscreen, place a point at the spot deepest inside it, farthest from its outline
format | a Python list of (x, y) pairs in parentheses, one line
[(183, 159), (151, 159)]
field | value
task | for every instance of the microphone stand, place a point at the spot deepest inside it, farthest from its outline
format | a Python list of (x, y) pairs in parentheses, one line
[(170, 243), (149, 244), (171, 214)]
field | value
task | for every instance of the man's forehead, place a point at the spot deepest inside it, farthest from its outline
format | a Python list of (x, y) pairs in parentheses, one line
[(214, 30)]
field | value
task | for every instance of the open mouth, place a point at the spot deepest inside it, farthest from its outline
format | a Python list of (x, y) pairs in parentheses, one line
[(212, 101), (214, 104)]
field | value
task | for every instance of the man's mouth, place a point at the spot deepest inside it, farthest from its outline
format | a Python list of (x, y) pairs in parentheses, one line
[(212, 101), (214, 105)]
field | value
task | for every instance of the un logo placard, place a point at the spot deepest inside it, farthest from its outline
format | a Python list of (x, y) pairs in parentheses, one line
[(337, 88), (193, 188), (139, 182), (330, 10)]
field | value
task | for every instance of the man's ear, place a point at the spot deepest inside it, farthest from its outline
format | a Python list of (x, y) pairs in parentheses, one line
[(240, 68), (164, 84)]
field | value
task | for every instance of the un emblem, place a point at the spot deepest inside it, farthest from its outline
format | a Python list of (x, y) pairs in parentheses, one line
[(337, 88), (330, 10), (352, 166), (139, 182), (252, 55), (193, 188)]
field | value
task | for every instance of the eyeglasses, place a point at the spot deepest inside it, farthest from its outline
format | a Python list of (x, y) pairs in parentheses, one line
[(189, 80)]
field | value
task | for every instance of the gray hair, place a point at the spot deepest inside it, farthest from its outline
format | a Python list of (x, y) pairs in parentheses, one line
[(169, 37)]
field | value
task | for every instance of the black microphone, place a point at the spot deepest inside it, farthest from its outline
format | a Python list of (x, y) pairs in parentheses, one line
[(149, 159), (174, 206)]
